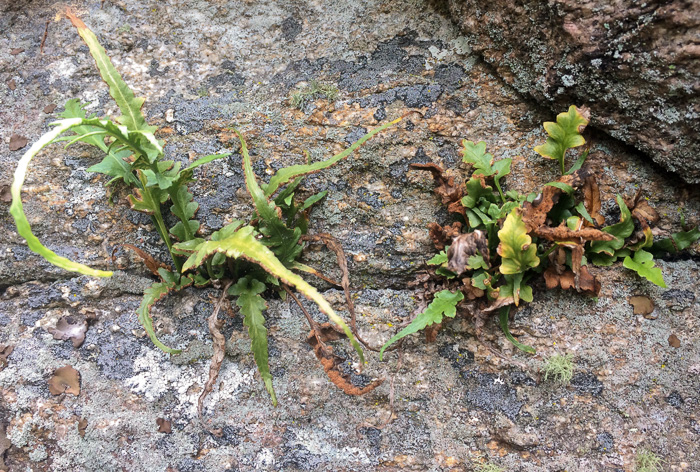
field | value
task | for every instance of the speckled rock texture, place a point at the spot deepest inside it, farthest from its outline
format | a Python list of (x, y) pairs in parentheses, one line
[(635, 64), (205, 67)]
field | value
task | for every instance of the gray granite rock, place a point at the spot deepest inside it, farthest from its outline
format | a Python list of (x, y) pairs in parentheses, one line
[(218, 65), (635, 64)]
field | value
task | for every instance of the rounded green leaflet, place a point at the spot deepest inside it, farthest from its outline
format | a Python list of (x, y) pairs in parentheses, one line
[(516, 249)]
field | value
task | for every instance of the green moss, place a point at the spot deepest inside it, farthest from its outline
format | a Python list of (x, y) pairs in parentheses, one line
[(488, 467), (647, 461), (313, 91), (560, 368)]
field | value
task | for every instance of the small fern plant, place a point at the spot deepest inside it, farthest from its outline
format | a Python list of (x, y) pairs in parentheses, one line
[(245, 258), (501, 240)]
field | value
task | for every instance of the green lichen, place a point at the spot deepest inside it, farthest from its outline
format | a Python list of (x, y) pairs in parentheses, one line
[(647, 461), (559, 368), (313, 91)]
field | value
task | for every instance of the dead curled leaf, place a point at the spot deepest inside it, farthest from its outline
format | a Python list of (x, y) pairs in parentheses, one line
[(70, 327), (17, 142), (164, 426), (441, 236), (587, 283), (149, 260), (591, 200), (535, 213), (673, 341), (82, 427), (5, 352), (5, 444), (334, 365), (643, 305), (449, 193), (65, 380), (464, 246)]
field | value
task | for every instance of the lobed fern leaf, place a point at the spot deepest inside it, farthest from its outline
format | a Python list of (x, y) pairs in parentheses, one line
[(242, 243)]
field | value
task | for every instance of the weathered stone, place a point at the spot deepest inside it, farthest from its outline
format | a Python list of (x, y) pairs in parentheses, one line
[(635, 64)]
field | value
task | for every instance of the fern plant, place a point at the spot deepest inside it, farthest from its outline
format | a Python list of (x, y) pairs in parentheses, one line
[(248, 259), (500, 241)]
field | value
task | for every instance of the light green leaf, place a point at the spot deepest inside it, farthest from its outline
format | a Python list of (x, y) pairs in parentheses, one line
[(503, 319), (282, 240), (439, 259), (17, 211), (562, 186), (287, 174), (313, 199), (444, 304), (516, 249), (184, 207), (206, 159), (171, 282), (244, 244), (129, 105), (248, 291), (643, 264), (563, 135), (620, 230), (477, 262), (75, 109), (476, 155), (677, 242), (514, 287), (476, 191)]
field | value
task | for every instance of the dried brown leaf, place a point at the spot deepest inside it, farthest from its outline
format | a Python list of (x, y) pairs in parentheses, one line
[(17, 142), (5, 351), (441, 236), (147, 259), (591, 200), (164, 426), (431, 332), (82, 427), (562, 234), (5, 444), (587, 283), (15, 51), (673, 341), (65, 380), (535, 213), (49, 108), (70, 327), (445, 187), (643, 305), (333, 364), (12, 85), (464, 246), (470, 291), (219, 345)]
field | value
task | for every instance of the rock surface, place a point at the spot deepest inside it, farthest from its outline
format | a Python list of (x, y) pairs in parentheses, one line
[(635, 64), (205, 67)]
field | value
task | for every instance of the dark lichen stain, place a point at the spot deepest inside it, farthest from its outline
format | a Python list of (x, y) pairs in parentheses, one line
[(519, 377), (675, 399), (115, 351), (460, 358), (230, 436), (297, 456), (491, 393), (605, 442), (587, 383), (291, 28)]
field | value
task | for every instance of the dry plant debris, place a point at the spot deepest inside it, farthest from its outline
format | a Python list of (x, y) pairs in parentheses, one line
[(65, 380)]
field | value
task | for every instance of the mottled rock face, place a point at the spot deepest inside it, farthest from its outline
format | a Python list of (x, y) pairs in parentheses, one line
[(636, 64)]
